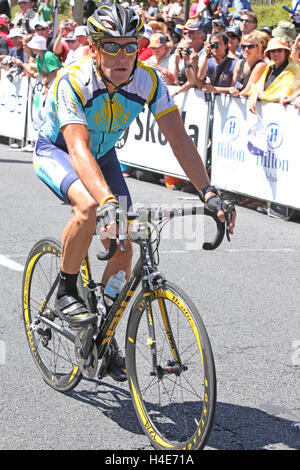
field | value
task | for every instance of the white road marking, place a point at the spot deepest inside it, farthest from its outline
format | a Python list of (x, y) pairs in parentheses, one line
[(10, 264)]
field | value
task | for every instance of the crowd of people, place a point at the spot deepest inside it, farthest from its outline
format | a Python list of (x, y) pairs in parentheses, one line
[(219, 49)]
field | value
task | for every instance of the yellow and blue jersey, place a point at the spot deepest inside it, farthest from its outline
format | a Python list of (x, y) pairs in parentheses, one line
[(80, 96)]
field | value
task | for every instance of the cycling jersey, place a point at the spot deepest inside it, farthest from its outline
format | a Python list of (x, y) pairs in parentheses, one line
[(80, 96)]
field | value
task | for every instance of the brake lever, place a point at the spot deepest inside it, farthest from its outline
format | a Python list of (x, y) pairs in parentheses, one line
[(122, 219), (227, 208)]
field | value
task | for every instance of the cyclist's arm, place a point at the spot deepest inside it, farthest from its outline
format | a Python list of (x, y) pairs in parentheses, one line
[(184, 148), (78, 141), (187, 155)]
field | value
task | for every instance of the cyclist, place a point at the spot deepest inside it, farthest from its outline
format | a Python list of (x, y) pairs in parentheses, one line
[(90, 105)]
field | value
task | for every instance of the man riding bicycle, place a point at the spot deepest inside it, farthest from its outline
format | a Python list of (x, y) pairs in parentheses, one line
[(90, 105)]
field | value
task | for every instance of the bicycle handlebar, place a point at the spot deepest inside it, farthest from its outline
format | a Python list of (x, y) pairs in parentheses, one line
[(160, 214)]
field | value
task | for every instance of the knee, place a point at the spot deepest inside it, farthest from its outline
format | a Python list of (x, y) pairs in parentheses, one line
[(86, 213)]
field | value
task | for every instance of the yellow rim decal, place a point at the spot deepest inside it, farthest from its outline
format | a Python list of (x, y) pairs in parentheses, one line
[(146, 421)]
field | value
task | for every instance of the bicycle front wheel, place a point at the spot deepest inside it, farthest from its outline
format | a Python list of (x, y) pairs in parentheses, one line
[(172, 376), (53, 353)]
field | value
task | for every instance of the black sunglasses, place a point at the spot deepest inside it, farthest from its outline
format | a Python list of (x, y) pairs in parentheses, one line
[(248, 46)]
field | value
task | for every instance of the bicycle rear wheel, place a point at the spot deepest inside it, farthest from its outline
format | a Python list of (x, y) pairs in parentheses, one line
[(53, 354), (176, 410)]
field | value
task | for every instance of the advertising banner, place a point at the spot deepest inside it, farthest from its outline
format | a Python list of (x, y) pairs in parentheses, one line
[(13, 105), (144, 146), (36, 103), (257, 155)]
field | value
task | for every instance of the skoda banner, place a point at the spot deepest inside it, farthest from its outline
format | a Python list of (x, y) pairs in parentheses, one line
[(144, 146), (256, 155)]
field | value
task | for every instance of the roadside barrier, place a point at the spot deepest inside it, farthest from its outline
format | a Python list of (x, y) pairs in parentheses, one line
[(253, 155)]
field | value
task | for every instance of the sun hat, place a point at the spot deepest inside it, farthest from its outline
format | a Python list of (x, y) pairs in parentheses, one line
[(277, 43), (197, 26), (157, 40), (16, 33), (285, 30), (35, 23), (80, 31), (38, 42), (70, 37)]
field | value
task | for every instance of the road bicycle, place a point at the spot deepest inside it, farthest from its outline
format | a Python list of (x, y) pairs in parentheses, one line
[(169, 360)]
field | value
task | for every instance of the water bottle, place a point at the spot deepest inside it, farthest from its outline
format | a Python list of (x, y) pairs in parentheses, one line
[(112, 289)]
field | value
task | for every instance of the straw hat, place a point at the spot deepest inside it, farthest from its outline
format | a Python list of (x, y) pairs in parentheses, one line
[(277, 43)]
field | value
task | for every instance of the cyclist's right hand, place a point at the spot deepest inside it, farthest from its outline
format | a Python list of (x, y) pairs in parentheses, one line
[(106, 216)]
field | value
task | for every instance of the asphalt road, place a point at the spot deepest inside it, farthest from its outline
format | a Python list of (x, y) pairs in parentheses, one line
[(247, 292)]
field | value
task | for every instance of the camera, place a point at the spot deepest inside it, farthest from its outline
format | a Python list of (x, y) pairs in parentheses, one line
[(188, 50), (214, 45)]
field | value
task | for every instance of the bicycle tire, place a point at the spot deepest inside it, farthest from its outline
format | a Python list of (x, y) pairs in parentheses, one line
[(170, 421), (55, 358)]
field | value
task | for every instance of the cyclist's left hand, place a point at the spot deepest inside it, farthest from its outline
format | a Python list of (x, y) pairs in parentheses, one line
[(225, 212)]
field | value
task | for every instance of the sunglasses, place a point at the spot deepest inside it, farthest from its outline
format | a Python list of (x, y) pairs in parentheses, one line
[(245, 20), (248, 46), (214, 45), (276, 50), (40, 29), (112, 48)]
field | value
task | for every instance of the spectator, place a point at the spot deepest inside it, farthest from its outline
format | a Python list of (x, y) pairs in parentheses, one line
[(25, 15), (18, 51), (239, 7), (153, 11), (158, 27), (46, 61), (248, 22), (188, 55), (145, 50), (5, 41), (175, 10), (268, 31), (88, 9), (296, 51), (285, 30), (175, 36), (42, 28), (216, 71), (218, 26), (5, 8), (234, 37), (80, 33), (279, 78), (161, 56), (250, 68), (295, 18), (193, 14), (165, 10), (45, 11), (72, 46), (60, 47)]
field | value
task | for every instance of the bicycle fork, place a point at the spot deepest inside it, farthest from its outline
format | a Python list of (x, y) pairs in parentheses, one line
[(173, 366)]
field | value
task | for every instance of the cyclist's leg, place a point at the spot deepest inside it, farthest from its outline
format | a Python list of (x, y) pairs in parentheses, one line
[(113, 175), (53, 166)]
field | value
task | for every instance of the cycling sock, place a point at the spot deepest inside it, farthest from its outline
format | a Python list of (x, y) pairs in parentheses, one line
[(67, 284)]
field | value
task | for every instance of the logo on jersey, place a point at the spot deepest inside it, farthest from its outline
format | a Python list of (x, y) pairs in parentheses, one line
[(112, 116)]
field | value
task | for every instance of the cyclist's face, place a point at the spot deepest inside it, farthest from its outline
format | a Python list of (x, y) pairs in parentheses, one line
[(117, 68)]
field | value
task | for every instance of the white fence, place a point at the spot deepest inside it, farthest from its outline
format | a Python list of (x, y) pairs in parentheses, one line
[(253, 155)]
